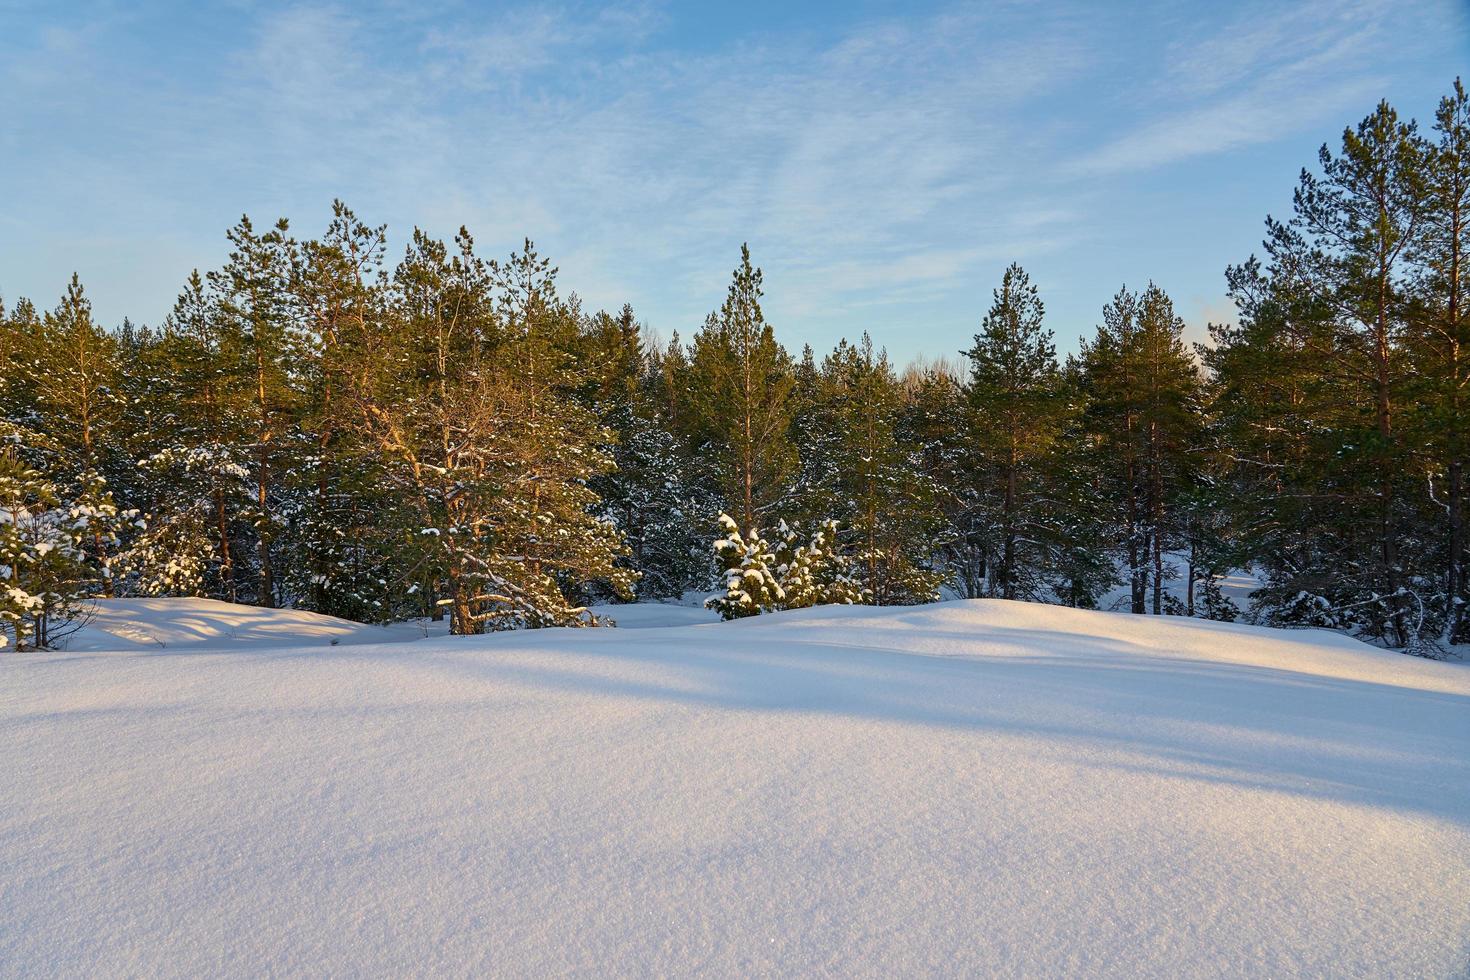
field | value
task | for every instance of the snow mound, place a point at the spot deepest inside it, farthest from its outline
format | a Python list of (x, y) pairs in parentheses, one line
[(656, 615), (165, 624), (973, 788)]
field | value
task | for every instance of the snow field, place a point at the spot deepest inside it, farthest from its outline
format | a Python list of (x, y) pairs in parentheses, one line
[(974, 787)]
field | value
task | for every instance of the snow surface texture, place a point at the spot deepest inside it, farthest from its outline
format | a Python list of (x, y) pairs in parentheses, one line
[(975, 787), (167, 624)]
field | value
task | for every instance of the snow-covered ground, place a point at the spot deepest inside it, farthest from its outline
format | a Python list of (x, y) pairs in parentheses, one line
[(171, 624), (688, 611), (971, 788)]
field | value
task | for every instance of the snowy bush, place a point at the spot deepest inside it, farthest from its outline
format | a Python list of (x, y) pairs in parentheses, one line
[(794, 573)]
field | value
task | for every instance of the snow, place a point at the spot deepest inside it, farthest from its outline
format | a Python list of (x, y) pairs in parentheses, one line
[(1238, 585), (652, 615), (166, 624), (973, 788)]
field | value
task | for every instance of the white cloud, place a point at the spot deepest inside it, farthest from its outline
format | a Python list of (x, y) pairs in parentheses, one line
[(1268, 71)]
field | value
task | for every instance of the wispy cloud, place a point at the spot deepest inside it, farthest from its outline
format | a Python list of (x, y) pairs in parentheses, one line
[(1267, 71), (854, 167)]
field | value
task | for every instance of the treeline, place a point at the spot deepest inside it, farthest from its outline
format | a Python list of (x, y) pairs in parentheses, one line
[(319, 426)]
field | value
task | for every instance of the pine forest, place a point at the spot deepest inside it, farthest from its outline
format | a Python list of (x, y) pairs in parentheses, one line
[(439, 433)]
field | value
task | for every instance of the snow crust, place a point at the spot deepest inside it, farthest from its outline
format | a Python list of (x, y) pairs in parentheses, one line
[(981, 788)]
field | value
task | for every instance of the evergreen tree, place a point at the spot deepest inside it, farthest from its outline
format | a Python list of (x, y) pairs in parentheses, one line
[(201, 457), (464, 390), (258, 344), (930, 422), (49, 569), (1336, 277), (868, 480), (77, 386), (1440, 340), (554, 542), (749, 564), (741, 382), (1017, 409), (1144, 413), (651, 496), (793, 572), (339, 561)]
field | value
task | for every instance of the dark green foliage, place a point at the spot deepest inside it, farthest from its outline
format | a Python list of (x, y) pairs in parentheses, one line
[(740, 398), (1144, 416), (1340, 392), (1017, 413), (861, 472)]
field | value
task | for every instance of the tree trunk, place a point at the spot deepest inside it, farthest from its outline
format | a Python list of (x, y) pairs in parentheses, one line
[(227, 563), (267, 596), (1156, 517), (1189, 588), (1456, 572), (1383, 406), (1008, 558)]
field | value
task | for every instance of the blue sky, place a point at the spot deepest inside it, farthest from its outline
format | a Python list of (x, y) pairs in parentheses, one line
[(885, 161)]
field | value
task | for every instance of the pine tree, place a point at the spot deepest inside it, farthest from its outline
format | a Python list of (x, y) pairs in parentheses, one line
[(464, 391), (78, 387), (866, 478), (741, 398), (555, 543), (338, 561), (47, 575), (1440, 338), (749, 563), (813, 571), (1017, 410), (791, 572), (931, 422), (1145, 413), (258, 342), (652, 496), (1337, 272), (195, 463)]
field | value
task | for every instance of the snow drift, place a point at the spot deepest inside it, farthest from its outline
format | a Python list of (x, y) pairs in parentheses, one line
[(166, 624), (970, 788)]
